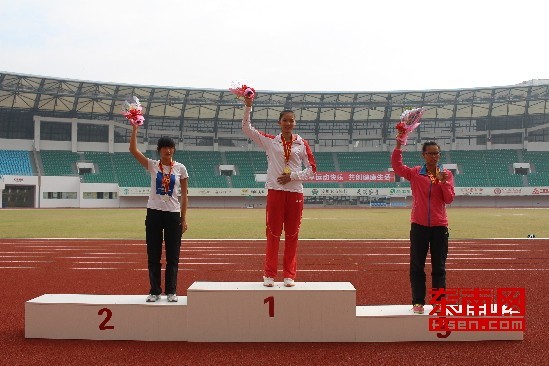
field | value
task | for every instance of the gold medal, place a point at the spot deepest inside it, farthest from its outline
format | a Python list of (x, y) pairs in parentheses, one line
[(287, 147), (166, 198)]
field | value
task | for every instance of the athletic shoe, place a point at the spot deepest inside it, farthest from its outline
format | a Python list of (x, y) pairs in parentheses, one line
[(417, 309), (268, 281), (172, 298), (289, 282), (153, 298)]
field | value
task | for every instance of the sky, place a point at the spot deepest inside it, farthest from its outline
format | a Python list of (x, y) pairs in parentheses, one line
[(282, 45)]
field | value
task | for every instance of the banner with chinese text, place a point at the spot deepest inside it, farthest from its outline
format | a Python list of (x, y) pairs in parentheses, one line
[(331, 177)]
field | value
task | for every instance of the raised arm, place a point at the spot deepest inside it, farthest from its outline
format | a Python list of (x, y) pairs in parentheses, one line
[(138, 155), (260, 138), (397, 164)]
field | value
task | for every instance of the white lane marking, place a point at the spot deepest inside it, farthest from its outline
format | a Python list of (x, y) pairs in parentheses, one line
[(218, 240), (221, 247), (233, 254), (483, 258), (22, 256), (81, 262), (496, 250), (87, 257), (27, 252), (201, 263), (302, 270), (118, 254), (65, 246), (500, 269), (27, 261), (121, 268), (101, 268)]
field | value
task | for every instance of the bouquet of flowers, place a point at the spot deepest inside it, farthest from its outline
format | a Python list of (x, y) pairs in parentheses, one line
[(409, 120), (242, 91), (133, 111)]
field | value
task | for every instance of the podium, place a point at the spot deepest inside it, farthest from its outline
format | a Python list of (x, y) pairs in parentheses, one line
[(396, 323), (238, 312), (105, 317), (251, 312)]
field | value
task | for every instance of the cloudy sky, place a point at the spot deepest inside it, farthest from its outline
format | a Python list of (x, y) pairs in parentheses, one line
[(286, 45)]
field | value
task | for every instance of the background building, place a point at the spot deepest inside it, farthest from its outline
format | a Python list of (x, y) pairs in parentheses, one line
[(64, 143)]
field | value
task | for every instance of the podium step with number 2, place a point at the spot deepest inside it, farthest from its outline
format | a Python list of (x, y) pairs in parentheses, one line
[(105, 317)]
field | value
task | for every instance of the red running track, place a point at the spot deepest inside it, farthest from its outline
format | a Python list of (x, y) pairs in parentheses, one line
[(377, 268)]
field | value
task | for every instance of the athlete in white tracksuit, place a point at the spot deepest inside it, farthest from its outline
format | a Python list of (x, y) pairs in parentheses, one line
[(287, 153)]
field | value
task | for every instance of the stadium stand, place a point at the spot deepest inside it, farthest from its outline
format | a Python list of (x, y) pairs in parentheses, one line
[(247, 164), (129, 172), (488, 168), (59, 163), (325, 162), (476, 168), (203, 168), (539, 161), (104, 168), (481, 130), (15, 162), (371, 161)]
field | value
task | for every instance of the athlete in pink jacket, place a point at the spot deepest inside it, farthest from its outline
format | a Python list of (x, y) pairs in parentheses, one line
[(287, 154), (432, 189)]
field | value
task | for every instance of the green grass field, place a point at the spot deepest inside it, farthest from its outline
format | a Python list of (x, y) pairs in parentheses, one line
[(370, 223)]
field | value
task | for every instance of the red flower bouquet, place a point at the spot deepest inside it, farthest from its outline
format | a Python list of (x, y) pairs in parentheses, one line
[(243, 91), (409, 120), (133, 111)]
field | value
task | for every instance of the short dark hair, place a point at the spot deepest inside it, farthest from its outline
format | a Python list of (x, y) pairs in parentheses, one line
[(284, 112), (165, 141), (429, 143)]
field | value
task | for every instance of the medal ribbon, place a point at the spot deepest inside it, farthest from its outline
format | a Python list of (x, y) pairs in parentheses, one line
[(287, 148), (433, 178), (165, 177)]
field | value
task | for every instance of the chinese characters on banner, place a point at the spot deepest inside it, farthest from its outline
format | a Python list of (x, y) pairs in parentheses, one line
[(330, 177), (477, 309)]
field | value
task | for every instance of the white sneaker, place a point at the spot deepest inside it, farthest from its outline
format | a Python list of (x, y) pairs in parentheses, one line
[(172, 298), (153, 298), (289, 282), (268, 281)]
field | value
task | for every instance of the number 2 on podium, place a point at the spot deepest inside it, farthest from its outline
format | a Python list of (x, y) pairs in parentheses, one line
[(271, 301), (103, 325)]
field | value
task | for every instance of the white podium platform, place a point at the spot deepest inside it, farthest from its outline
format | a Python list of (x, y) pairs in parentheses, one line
[(397, 323), (238, 312), (251, 312), (105, 317)]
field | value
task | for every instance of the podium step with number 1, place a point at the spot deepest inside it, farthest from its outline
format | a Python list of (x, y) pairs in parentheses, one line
[(251, 312)]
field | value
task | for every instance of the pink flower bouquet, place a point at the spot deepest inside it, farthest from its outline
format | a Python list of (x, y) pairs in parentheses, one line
[(243, 91), (409, 120), (133, 111)]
